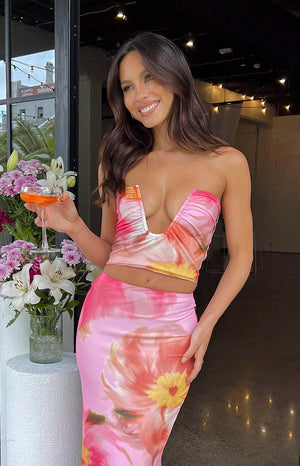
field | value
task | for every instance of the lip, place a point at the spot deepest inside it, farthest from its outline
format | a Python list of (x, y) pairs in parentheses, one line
[(148, 109)]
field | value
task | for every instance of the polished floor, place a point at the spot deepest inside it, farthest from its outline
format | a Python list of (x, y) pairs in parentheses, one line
[(244, 407)]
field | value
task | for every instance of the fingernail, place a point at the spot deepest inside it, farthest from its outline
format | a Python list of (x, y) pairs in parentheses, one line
[(183, 360)]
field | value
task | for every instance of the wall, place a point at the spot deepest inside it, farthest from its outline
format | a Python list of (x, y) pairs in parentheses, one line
[(274, 159)]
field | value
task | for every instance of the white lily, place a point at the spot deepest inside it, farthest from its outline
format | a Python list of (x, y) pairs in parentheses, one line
[(57, 176), (93, 270), (13, 160), (55, 277), (20, 289)]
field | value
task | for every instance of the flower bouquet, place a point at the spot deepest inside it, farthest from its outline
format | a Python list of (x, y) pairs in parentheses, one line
[(14, 217), (43, 288)]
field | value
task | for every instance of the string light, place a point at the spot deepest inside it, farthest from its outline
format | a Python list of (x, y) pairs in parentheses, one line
[(252, 97), (244, 96), (292, 412), (263, 110), (263, 430), (282, 81), (216, 109), (263, 102), (32, 66), (220, 86), (29, 76), (287, 107)]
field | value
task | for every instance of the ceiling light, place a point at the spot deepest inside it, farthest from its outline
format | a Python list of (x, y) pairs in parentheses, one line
[(225, 50), (121, 15), (282, 81), (190, 43)]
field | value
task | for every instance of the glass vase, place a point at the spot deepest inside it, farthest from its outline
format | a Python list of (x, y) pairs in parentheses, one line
[(45, 338)]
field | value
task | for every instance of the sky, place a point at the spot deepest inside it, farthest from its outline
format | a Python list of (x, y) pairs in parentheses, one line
[(23, 69)]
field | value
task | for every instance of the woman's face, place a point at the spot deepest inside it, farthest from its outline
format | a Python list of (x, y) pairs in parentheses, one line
[(147, 100)]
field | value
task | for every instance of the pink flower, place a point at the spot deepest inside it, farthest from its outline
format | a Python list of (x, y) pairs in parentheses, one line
[(31, 167), (95, 435), (4, 271), (15, 254), (10, 191), (150, 384), (71, 257), (12, 264), (24, 181), (20, 243), (7, 248)]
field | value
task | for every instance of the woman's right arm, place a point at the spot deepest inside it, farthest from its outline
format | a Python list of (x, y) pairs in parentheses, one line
[(96, 249), (64, 218)]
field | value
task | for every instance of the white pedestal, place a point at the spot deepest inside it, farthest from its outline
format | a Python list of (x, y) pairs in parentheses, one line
[(14, 340), (44, 411)]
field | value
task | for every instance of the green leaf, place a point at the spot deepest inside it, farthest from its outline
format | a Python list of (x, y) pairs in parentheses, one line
[(95, 418), (17, 313), (125, 414)]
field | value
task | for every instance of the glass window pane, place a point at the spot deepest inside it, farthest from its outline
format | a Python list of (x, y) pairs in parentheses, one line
[(2, 63), (3, 134), (32, 61), (33, 129)]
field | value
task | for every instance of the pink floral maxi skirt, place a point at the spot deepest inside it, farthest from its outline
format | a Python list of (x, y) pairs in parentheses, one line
[(130, 342)]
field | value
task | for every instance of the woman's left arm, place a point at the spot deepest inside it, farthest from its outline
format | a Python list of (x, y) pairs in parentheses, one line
[(237, 216)]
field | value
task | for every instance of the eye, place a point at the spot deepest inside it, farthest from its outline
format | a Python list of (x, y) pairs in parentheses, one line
[(126, 88), (148, 77)]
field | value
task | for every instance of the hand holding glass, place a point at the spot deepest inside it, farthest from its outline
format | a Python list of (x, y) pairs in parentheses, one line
[(42, 196)]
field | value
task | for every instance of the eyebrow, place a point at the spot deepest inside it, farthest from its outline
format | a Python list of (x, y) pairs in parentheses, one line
[(129, 81)]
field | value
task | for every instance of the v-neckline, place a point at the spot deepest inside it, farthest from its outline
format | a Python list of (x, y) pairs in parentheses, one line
[(207, 193)]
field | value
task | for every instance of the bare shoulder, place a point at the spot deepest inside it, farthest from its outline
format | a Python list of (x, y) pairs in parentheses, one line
[(233, 164), (231, 157)]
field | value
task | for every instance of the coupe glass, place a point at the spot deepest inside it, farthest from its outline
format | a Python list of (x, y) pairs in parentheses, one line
[(42, 196)]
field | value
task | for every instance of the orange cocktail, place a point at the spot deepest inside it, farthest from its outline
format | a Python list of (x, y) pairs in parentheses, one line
[(42, 199)]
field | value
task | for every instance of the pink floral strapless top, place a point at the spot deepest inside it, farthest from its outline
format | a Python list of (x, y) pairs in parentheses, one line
[(180, 250)]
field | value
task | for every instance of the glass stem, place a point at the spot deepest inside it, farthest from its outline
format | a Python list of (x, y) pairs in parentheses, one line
[(45, 245)]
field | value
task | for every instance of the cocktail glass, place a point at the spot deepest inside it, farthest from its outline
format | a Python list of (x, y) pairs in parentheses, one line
[(42, 196)]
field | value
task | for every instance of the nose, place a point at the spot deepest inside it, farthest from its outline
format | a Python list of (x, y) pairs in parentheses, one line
[(141, 92)]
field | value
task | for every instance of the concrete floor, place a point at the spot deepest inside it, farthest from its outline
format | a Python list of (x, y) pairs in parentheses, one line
[(244, 407)]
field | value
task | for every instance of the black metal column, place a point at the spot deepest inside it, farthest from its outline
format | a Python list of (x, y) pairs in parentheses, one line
[(66, 79), (7, 10)]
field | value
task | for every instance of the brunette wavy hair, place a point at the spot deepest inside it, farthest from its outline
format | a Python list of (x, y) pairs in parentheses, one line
[(129, 140)]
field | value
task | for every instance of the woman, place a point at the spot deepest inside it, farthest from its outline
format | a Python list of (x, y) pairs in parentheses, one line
[(162, 177)]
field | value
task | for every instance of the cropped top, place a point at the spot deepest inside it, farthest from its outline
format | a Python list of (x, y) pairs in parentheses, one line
[(180, 250)]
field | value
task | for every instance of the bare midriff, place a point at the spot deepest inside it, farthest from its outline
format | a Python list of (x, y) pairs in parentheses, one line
[(148, 279)]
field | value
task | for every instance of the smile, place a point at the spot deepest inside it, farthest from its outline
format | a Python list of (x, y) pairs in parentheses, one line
[(149, 108)]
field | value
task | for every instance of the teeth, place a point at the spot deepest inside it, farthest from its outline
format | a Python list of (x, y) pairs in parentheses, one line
[(146, 109)]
